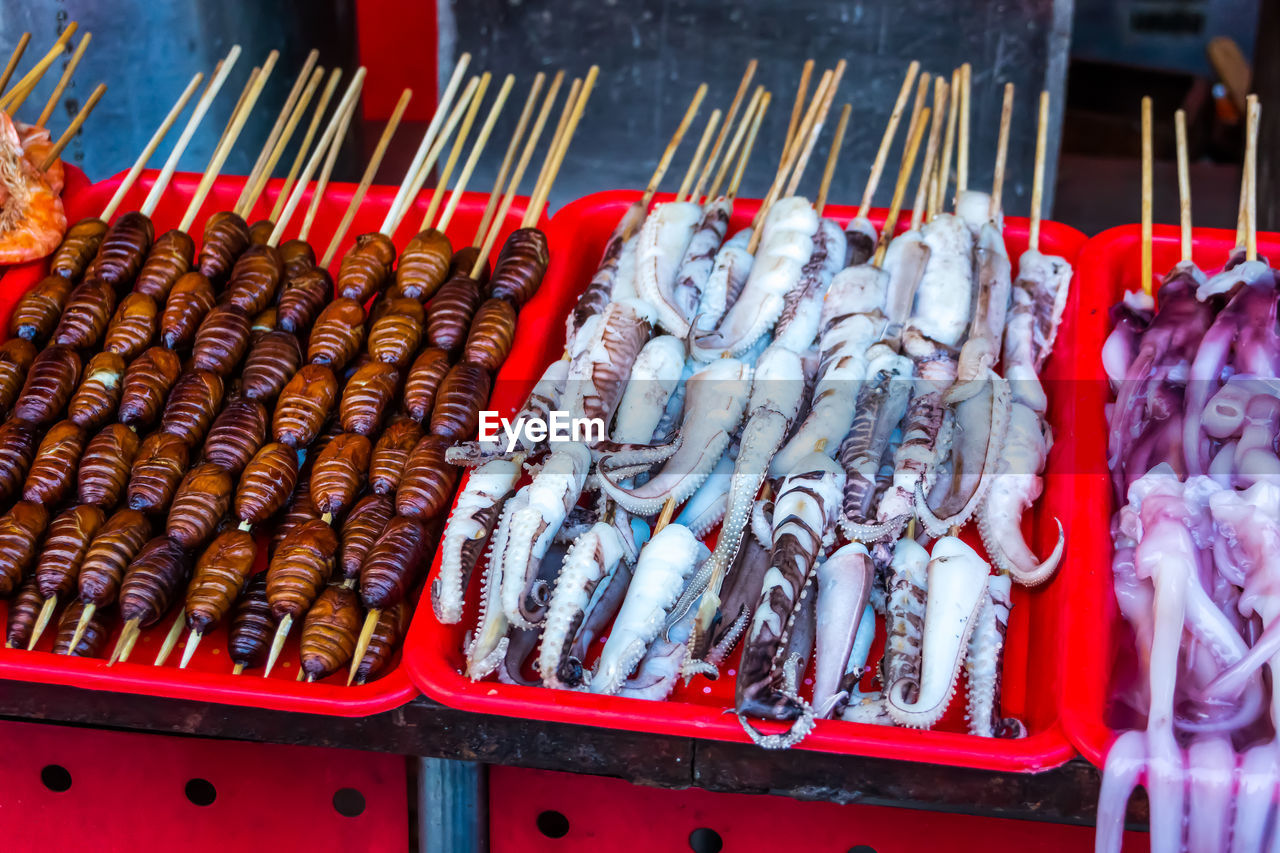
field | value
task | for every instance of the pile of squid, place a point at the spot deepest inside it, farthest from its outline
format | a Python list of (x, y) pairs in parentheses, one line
[(171, 414), (829, 416), (1193, 460)]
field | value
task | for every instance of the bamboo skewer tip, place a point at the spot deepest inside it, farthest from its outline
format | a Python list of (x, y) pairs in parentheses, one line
[(362, 643), (1146, 196)]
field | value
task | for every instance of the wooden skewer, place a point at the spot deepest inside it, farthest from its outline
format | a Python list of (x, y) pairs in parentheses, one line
[(149, 150), (171, 639), (86, 616), (459, 143), (67, 74), (322, 181), (283, 142), (962, 140), (124, 645), (579, 106), (362, 643), (14, 98), (408, 190), (476, 150), (816, 128), (42, 621), (549, 157), (286, 111), (1037, 179), (1184, 185), (525, 156), (832, 157), (716, 149), (739, 135), (922, 97), (930, 152), (664, 517), (277, 129), (1254, 110), (943, 177), (495, 195), (797, 110), (886, 141), (12, 65), (223, 150), (1146, 196), (340, 116), (74, 127), (442, 139), (277, 643), (239, 105), (788, 162), (664, 162), (695, 164), (189, 650), (749, 146), (367, 178), (202, 107), (305, 147), (1002, 154), (900, 188)]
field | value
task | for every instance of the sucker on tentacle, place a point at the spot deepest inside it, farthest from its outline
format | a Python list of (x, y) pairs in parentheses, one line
[(982, 663), (593, 557), (466, 535), (739, 597), (696, 265), (487, 645), (776, 390), (803, 523), (714, 404), (706, 508), (548, 498), (660, 574), (957, 589), (881, 406), (904, 619)]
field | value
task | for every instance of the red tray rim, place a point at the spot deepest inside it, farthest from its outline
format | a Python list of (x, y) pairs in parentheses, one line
[(438, 680), (390, 690), (1086, 668)]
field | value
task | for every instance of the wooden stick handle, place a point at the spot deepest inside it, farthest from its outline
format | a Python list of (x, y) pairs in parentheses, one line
[(330, 158), (816, 129), (14, 59), (1037, 178), (886, 141), (477, 149), (1184, 185), (962, 140), (1146, 195), (797, 110), (74, 127), (220, 155), (525, 156), (579, 106), (900, 188), (833, 156), (346, 104), (15, 96), (716, 149), (930, 151), (67, 74), (1254, 110), (508, 158), (277, 150), (1002, 154), (459, 143), (286, 110), (574, 90), (366, 179), (307, 138), (152, 144), (407, 191), (727, 164), (202, 107), (943, 177), (749, 146), (664, 162), (695, 165)]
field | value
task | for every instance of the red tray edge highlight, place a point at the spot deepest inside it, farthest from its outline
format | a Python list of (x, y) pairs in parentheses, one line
[(428, 642), (394, 687)]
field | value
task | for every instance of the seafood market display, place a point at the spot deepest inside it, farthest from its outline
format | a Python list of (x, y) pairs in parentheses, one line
[(829, 405), (1191, 359), (201, 428)]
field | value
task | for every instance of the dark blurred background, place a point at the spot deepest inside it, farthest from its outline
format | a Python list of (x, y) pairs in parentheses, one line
[(1095, 57)]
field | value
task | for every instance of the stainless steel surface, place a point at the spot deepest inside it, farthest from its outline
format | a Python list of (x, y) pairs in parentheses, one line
[(453, 806), (653, 54), (147, 50)]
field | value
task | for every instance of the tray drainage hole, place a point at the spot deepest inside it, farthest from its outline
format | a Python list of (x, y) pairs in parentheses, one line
[(201, 792), (703, 840), (862, 848), (55, 777), (348, 802), (553, 824)]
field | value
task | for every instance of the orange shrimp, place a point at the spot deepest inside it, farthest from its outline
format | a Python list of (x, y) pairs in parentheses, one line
[(37, 143), (32, 221)]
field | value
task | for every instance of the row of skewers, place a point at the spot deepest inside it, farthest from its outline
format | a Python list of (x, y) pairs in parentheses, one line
[(1192, 451), (167, 409), (799, 384)]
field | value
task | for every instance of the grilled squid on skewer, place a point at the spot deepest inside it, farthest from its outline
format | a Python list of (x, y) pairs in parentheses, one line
[(468, 533)]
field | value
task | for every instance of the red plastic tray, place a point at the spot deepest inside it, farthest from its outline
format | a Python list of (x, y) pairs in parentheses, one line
[(208, 677), (71, 788), (434, 655), (1097, 643)]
